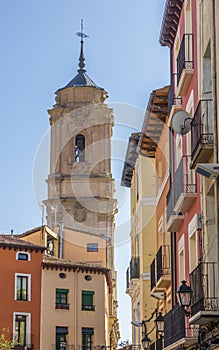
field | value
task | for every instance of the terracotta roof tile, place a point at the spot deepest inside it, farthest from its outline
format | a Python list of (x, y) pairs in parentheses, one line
[(11, 241)]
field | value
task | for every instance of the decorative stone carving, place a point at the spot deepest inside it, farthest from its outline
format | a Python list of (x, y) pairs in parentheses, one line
[(80, 213)]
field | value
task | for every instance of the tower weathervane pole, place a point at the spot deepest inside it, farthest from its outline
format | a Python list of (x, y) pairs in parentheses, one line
[(82, 35)]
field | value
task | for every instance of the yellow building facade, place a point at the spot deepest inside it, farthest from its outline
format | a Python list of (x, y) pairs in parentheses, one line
[(139, 175)]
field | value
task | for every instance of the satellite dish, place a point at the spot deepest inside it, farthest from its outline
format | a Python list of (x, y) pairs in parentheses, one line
[(181, 122)]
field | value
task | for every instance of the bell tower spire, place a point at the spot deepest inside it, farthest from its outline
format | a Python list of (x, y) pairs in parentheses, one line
[(82, 35)]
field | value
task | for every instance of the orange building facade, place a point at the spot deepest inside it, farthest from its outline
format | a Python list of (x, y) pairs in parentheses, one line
[(20, 289)]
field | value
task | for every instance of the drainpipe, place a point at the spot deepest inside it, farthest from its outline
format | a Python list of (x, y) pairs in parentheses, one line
[(214, 83), (215, 121), (61, 226), (214, 97)]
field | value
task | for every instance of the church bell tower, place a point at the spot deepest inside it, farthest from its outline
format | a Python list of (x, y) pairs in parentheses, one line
[(80, 183)]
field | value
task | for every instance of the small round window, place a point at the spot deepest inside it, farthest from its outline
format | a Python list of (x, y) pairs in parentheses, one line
[(88, 278), (62, 275)]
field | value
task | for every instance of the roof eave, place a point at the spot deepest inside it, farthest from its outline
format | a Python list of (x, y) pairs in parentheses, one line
[(172, 13)]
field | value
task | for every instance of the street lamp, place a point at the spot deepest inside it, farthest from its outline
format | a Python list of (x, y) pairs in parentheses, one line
[(146, 342), (159, 322), (184, 295)]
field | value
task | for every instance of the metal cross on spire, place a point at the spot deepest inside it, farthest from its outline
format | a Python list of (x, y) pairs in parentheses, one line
[(82, 35)]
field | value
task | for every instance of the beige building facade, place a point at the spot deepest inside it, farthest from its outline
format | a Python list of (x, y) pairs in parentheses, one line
[(72, 304), (139, 175)]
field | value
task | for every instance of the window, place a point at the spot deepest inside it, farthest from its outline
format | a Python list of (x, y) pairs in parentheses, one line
[(88, 277), (21, 330), (87, 300), (87, 338), (23, 256), (22, 287), (92, 247), (61, 338), (79, 148), (62, 299)]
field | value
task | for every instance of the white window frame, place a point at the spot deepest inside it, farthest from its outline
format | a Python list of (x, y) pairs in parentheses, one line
[(28, 285), (188, 21), (28, 325), (181, 250), (193, 233), (21, 252)]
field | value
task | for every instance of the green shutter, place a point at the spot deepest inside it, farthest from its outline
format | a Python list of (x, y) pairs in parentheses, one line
[(62, 290), (87, 298)]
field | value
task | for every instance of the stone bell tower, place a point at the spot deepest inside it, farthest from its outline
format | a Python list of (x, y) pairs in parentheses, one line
[(80, 183)]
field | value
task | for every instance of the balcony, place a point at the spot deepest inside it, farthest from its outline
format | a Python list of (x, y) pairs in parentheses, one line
[(185, 186), (185, 65), (29, 341), (88, 307), (205, 303), (62, 306), (202, 138), (174, 220), (160, 272), (135, 267), (63, 346), (153, 274), (26, 347), (133, 272), (176, 332), (174, 102)]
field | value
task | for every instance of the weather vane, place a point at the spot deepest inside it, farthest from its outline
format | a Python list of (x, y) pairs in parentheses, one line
[(82, 35)]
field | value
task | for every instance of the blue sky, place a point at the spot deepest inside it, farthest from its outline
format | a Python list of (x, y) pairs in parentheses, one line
[(39, 54)]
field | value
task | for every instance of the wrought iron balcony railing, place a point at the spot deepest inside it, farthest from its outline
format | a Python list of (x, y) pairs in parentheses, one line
[(175, 328), (24, 347), (184, 183), (62, 306), (63, 346), (185, 58), (172, 98), (202, 126), (204, 283), (153, 274), (127, 278), (184, 180), (170, 201), (134, 267), (27, 342), (88, 307), (160, 267), (133, 271), (163, 261)]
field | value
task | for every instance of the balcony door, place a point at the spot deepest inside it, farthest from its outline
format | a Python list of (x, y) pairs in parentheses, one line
[(61, 338), (20, 330)]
